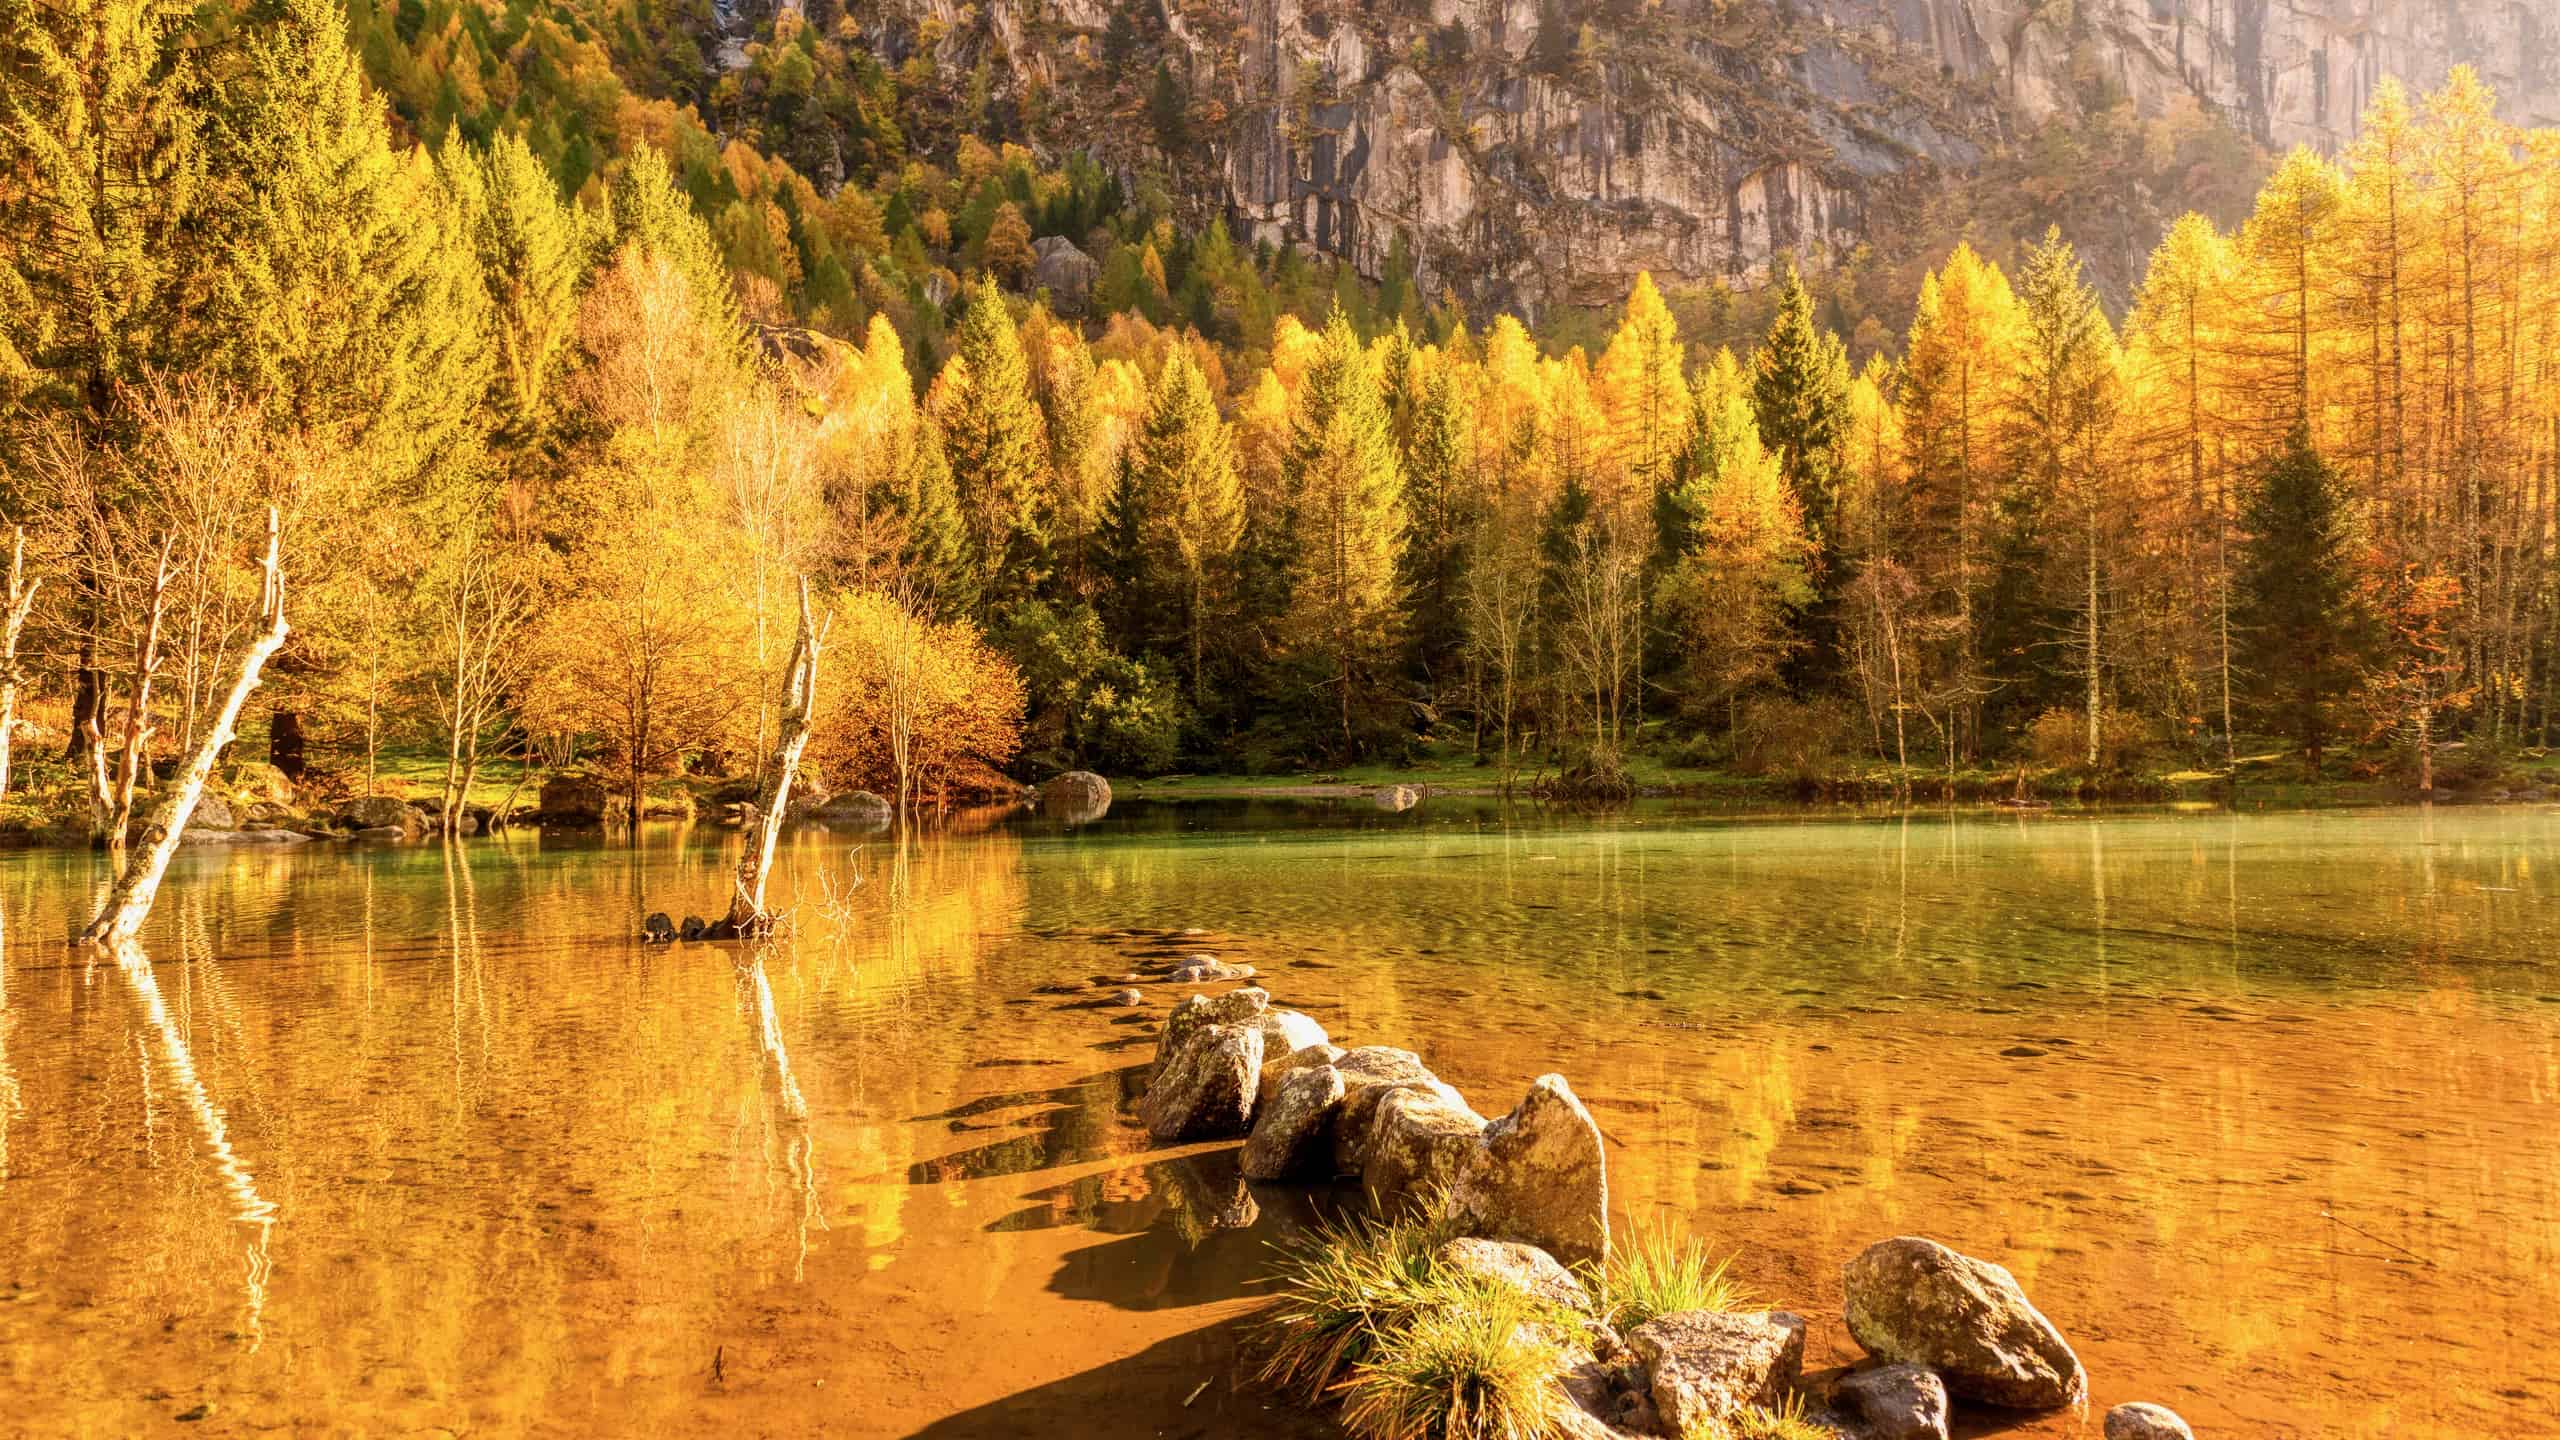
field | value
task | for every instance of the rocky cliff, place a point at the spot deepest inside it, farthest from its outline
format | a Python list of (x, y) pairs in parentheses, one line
[(1535, 151)]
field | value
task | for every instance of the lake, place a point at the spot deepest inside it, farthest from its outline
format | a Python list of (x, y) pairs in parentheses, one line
[(2263, 1110)]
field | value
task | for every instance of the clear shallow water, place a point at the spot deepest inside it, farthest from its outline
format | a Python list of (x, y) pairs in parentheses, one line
[(2265, 1111)]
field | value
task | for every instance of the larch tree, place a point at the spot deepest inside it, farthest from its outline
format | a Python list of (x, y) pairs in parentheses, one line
[(1182, 469), (1347, 509), (992, 436)]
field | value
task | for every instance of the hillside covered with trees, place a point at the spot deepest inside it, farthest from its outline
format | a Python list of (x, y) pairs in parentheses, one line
[(557, 392)]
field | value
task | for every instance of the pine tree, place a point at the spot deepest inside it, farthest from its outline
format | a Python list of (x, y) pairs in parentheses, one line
[(101, 138), (935, 557), (1182, 470), (1347, 507), (2303, 629), (2062, 412), (1800, 399), (999, 462), (533, 250), (342, 289), (1441, 501), (651, 211)]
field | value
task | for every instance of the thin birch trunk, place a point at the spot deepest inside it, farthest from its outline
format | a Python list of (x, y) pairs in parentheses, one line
[(747, 915)]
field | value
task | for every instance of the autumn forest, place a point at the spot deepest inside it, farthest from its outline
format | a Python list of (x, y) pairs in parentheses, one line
[(554, 432)]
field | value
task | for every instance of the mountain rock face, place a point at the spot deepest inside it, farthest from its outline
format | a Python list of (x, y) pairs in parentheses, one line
[(1538, 151)]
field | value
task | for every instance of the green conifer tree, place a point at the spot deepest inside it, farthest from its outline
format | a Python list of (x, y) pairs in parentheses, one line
[(1348, 509), (1183, 470), (1800, 399), (2302, 627), (533, 250), (992, 431)]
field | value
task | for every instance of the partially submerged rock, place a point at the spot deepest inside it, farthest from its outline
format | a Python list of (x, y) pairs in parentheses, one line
[(1540, 1177), (1524, 1268), (1420, 1138), (1276, 1070), (1075, 797), (1208, 1067), (853, 810), (1286, 1032), (1208, 970), (1918, 1302), (1370, 1074), (1706, 1366), (2142, 1420), (193, 836), (1892, 1402), (1293, 1125), (1395, 798)]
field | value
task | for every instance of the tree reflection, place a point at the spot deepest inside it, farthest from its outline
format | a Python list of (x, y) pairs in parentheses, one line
[(170, 1059)]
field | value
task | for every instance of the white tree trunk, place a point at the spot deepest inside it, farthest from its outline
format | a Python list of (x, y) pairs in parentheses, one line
[(747, 916), (129, 902), (22, 599)]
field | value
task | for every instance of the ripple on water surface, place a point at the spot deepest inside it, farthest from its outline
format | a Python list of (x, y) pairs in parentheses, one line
[(2261, 1109)]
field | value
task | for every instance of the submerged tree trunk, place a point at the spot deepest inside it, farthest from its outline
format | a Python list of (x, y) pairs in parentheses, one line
[(22, 599), (128, 903), (747, 915)]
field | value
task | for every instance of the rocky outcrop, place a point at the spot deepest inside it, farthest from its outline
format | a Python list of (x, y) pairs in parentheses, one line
[(212, 812), (1539, 1176), (1528, 154), (1370, 1074), (380, 812), (1892, 1402), (580, 800), (1276, 1070), (856, 810), (1916, 1302), (1707, 1366), (1066, 272), (2141, 1420), (1208, 1067)]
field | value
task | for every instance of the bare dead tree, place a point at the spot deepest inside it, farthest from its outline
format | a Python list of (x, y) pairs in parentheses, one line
[(747, 915), (21, 601), (137, 882)]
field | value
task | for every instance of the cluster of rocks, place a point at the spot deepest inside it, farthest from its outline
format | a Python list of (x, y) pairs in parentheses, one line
[(659, 930), (1527, 1195), (1230, 1065), (256, 805)]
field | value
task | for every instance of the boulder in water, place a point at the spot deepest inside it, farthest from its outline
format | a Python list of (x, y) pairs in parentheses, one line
[(1075, 797), (1369, 1075), (1892, 1402), (1707, 1366), (1207, 1069), (1292, 1125), (658, 929), (1539, 1177), (1395, 799), (1917, 1302), (2142, 1420), (1419, 1141), (1276, 1070)]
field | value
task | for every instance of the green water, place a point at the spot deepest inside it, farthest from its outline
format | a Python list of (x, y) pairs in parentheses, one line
[(2261, 1108)]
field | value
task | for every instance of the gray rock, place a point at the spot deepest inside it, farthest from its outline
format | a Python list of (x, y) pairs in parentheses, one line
[(1066, 272), (1293, 1125), (852, 810), (1916, 1302), (1707, 1366), (2142, 1420), (1236, 1007), (1208, 1068), (378, 812), (1540, 1177), (1418, 1142), (1128, 997), (1524, 1268), (1892, 1402), (1286, 1032), (1370, 1074), (212, 812), (1205, 970), (1395, 798), (1075, 797), (383, 832), (580, 800), (1206, 1092), (1275, 1071), (193, 836)]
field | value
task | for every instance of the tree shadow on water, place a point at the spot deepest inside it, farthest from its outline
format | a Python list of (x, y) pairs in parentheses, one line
[(1159, 1391), (1186, 1230)]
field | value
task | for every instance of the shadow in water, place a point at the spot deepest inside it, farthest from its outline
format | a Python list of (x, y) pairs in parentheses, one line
[(1158, 1391), (1191, 1230), (1076, 1123)]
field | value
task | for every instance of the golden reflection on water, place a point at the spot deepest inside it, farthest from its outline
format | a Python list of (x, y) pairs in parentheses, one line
[(389, 1139)]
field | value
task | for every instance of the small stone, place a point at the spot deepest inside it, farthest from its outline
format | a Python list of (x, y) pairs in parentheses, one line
[(692, 930), (2142, 1420), (1893, 1402), (1129, 997), (658, 929)]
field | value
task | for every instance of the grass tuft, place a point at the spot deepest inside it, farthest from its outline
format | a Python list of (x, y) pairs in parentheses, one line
[(1753, 1422), (1654, 1272), (1480, 1362), (1344, 1286)]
